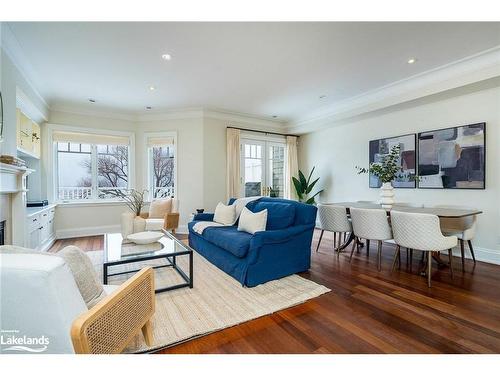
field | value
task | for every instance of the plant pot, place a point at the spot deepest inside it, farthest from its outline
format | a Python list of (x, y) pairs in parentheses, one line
[(387, 195)]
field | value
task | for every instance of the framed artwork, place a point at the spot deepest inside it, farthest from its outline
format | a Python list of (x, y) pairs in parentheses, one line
[(453, 158), (379, 148)]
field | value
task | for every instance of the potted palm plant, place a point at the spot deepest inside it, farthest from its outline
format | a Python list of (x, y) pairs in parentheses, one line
[(386, 170)]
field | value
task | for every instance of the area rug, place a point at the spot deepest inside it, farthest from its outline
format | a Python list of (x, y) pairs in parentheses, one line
[(217, 301)]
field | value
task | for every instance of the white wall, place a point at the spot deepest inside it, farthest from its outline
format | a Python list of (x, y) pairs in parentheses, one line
[(336, 151)]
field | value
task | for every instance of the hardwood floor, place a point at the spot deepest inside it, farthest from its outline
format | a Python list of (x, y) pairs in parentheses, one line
[(372, 312)]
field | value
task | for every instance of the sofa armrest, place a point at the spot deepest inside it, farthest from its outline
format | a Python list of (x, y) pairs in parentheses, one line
[(204, 217), (112, 323)]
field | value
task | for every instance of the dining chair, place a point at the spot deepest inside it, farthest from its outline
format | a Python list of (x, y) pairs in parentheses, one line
[(370, 224), (421, 232), (333, 219), (462, 227)]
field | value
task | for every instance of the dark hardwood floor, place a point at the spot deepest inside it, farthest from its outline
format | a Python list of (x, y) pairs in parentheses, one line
[(369, 311)]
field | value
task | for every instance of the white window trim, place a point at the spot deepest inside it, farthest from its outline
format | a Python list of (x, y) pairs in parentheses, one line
[(147, 166), (50, 154), (265, 139)]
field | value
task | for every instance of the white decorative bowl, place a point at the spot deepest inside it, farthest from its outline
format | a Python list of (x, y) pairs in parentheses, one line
[(143, 238)]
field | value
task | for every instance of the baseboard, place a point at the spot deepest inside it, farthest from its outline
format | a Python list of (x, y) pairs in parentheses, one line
[(95, 231), (87, 231), (482, 254)]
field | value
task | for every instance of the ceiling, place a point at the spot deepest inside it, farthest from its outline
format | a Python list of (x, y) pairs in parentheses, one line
[(264, 69)]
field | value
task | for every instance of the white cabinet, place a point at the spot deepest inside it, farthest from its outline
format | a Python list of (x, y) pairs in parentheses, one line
[(41, 228)]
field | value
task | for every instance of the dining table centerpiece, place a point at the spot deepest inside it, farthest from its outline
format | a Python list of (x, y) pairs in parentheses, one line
[(386, 170)]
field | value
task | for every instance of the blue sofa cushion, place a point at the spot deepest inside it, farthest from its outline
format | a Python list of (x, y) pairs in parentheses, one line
[(229, 239), (280, 215)]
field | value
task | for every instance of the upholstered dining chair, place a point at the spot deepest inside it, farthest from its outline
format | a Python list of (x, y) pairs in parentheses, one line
[(370, 224), (420, 232), (463, 227), (333, 219)]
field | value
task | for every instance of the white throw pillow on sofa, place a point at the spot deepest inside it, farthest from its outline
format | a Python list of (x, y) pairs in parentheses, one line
[(251, 222), (225, 215)]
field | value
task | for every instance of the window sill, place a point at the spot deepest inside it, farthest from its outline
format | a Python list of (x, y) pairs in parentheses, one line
[(90, 203)]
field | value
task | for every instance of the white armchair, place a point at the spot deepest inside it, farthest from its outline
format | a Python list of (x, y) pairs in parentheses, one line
[(40, 299), (162, 215)]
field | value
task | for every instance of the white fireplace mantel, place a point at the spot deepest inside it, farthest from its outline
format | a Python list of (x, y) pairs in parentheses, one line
[(13, 184), (12, 178)]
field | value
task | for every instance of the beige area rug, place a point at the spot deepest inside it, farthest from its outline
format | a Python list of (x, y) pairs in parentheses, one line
[(216, 301)]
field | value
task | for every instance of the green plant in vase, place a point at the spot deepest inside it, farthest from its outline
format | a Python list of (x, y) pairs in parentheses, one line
[(387, 170), (304, 187)]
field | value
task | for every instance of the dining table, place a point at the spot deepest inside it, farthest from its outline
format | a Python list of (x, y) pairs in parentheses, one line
[(441, 212)]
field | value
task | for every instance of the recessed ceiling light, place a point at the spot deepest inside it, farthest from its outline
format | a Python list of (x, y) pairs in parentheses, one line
[(91, 100), (322, 97), (152, 88), (148, 108), (166, 57), (412, 60)]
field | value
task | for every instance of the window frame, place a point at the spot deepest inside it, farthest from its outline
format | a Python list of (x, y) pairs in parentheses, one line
[(51, 160), (148, 167)]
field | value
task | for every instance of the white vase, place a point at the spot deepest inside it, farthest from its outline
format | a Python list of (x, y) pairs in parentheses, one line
[(139, 224), (387, 195)]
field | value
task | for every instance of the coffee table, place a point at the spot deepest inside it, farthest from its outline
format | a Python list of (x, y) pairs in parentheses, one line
[(165, 250)]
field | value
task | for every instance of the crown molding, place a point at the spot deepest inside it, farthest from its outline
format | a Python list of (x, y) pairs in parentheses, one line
[(244, 118), (102, 113), (470, 70), (13, 50), (254, 122)]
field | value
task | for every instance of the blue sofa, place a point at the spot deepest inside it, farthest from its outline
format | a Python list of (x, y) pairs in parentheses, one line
[(284, 248)]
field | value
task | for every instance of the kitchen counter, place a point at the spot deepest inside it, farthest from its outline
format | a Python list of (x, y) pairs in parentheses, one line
[(30, 211)]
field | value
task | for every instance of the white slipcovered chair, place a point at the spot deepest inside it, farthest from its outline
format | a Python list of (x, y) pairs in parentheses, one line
[(157, 218), (370, 224), (333, 219), (420, 232), (41, 299), (462, 227)]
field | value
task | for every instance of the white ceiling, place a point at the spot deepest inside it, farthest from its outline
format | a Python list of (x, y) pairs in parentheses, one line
[(263, 69)]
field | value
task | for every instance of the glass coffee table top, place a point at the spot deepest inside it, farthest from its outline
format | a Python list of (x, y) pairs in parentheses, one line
[(165, 252), (117, 250)]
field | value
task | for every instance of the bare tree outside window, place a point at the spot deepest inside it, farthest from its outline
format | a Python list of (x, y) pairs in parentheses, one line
[(162, 171), (112, 171)]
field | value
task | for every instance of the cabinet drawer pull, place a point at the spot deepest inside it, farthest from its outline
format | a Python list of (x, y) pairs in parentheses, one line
[(44, 214), (40, 228), (34, 220)]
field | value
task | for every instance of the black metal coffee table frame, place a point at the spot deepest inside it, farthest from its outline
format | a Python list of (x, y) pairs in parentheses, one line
[(171, 259)]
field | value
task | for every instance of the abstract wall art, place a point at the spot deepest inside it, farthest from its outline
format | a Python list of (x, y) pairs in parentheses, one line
[(379, 148), (452, 158)]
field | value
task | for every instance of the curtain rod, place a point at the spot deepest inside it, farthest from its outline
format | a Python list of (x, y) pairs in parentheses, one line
[(264, 132)]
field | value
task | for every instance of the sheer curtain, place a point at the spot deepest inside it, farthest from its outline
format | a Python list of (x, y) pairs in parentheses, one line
[(292, 166), (233, 163)]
